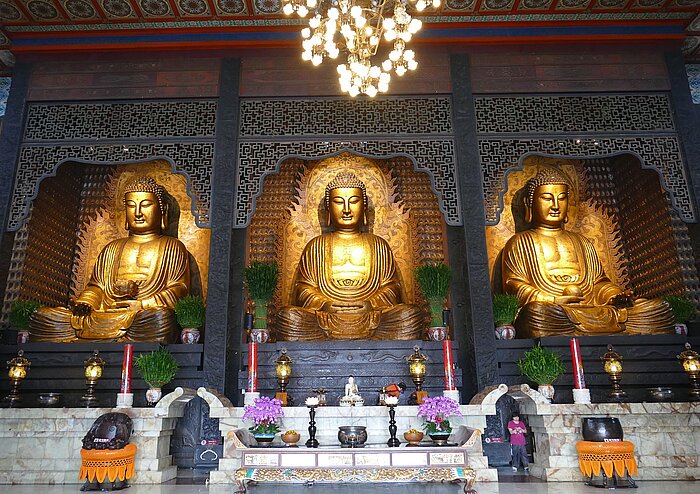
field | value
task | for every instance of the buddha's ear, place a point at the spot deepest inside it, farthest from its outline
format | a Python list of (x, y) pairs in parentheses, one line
[(164, 217), (528, 212), (566, 218), (126, 224), (328, 217)]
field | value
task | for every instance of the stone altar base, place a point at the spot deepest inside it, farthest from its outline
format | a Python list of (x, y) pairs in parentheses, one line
[(467, 433), (42, 445), (666, 437)]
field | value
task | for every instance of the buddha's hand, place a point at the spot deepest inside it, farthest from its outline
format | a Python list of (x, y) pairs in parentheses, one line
[(337, 306), (80, 308), (622, 299), (570, 295), (128, 289), (128, 304)]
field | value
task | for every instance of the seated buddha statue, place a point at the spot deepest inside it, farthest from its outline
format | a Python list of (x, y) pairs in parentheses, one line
[(559, 279), (135, 283), (346, 284)]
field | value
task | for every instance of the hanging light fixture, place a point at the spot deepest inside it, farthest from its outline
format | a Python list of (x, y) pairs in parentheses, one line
[(356, 28)]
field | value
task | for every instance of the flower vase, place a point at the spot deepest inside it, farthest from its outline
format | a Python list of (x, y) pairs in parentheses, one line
[(264, 439), (440, 438), (189, 336), (505, 332), (153, 396), (546, 390)]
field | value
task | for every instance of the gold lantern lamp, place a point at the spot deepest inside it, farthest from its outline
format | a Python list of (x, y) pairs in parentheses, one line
[(690, 360), (16, 370), (93, 372), (612, 364), (283, 371), (417, 370)]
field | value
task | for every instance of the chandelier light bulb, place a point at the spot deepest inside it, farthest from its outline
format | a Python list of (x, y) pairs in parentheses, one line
[(333, 13), (414, 26), (384, 77), (306, 55), (386, 65), (316, 59), (356, 11), (315, 21), (342, 69), (353, 91), (360, 22), (302, 11), (307, 44), (390, 35), (374, 41), (389, 23), (371, 91), (383, 87), (305, 33), (394, 55), (405, 36), (375, 72), (288, 9), (316, 40), (334, 54), (311, 4), (412, 65), (400, 70), (436, 3), (409, 55), (420, 5)]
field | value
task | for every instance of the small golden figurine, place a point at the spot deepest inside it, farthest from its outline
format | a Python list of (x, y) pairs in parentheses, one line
[(346, 285), (559, 279), (135, 282)]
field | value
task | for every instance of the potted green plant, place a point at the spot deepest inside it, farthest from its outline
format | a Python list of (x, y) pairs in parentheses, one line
[(190, 312), (157, 368), (542, 366), (20, 312), (683, 311), (434, 282), (505, 310), (261, 282)]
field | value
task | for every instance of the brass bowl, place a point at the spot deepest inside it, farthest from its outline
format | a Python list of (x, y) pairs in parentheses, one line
[(49, 399), (413, 438), (290, 439)]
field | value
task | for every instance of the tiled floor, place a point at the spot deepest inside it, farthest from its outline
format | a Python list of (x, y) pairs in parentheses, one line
[(669, 487)]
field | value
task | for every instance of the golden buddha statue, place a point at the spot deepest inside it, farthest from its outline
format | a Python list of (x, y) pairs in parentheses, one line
[(346, 284), (559, 279), (135, 283)]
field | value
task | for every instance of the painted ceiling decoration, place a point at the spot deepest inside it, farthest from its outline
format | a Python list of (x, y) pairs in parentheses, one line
[(39, 26)]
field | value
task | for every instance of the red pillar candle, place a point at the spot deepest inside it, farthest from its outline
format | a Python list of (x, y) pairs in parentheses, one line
[(252, 366), (449, 365), (126, 368), (577, 364)]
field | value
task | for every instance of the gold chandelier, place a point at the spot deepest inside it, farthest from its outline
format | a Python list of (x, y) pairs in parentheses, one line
[(356, 27)]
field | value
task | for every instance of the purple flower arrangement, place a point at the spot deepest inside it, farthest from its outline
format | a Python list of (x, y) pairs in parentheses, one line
[(264, 413), (436, 411)]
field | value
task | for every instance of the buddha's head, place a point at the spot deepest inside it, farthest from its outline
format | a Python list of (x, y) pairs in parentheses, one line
[(146, 208), (346, 202), (547, 198)]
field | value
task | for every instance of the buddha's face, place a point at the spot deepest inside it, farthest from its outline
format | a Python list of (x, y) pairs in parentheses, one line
[(347, 208), (550, 205), (143, 214)]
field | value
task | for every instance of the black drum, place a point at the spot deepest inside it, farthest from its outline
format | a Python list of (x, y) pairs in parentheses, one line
[(601, 429)]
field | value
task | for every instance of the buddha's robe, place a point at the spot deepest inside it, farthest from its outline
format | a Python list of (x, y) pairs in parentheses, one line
[(368, 279), (162, 281), (537, 281)]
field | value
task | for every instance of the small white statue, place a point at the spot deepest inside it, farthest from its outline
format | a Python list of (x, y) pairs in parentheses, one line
[(352, 396)]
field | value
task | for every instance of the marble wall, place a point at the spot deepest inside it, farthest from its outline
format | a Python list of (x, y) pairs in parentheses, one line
[(666, 437), (42, 445)]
